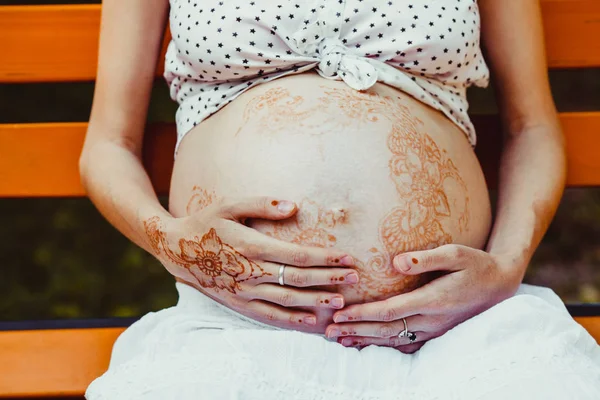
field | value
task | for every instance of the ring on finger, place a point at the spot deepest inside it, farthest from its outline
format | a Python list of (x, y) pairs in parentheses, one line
[(412, 337), (280, 276)]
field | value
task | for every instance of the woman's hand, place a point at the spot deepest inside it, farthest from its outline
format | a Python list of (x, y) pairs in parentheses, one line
[(473, 282), (216, 253)]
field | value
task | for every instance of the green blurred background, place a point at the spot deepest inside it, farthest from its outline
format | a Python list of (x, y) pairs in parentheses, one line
[(60, 259)]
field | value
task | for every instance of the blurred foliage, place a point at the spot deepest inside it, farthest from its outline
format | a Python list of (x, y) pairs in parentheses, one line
[(568, 259), (60, 259)]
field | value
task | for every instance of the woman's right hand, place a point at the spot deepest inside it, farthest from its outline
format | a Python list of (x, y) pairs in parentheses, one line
[(238, 266)]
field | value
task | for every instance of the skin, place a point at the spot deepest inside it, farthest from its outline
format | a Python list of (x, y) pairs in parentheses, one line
[(472, 280), (416, 184), (122, 191), (532, 179)]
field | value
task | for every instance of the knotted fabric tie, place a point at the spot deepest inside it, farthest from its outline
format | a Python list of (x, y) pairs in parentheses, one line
[(358, 73), (320, 41)]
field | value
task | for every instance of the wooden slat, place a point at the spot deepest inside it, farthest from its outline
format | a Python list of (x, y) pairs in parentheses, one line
[(64, 362), (60, 42), (582, 130), (51, 43), (592, 325), (572, 29), (42, 159), (49, 363)]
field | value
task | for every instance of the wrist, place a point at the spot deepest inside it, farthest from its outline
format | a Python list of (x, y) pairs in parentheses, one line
[(154, 222), (512, 267)]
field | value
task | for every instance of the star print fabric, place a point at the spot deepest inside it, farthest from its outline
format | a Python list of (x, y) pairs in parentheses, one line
[(428, 49)]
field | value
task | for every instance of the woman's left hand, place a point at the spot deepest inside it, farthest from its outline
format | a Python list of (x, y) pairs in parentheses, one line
[(474, 281)]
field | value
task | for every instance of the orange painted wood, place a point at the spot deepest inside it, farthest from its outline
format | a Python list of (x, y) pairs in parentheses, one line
[(51, 43), (572, 29), (60, 42), (582, 130), (42, 159), (592, 325), (64, 362), (53, 362)]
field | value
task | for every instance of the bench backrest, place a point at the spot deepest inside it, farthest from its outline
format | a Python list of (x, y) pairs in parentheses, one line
[(59, 44)]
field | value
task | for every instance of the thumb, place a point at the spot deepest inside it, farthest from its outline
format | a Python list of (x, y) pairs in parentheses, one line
[(257, 207), (445, 257)]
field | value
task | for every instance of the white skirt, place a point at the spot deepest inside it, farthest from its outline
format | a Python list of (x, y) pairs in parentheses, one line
[(527, 347)]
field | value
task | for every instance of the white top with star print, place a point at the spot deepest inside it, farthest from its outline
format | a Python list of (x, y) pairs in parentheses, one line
[(428, 49)]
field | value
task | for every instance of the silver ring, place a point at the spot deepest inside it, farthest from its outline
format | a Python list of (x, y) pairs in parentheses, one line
[(412, 337), (281, 271)]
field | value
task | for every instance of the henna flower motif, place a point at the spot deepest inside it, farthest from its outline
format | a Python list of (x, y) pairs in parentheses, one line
[(423, 181), (201, 198), (378, 269), (309, 226), (407, 230), (212, 263), (357, 106)]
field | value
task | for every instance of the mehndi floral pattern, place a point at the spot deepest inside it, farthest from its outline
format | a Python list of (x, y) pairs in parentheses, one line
[(310, 226), (201, 198), (417, 167), (215, 264)]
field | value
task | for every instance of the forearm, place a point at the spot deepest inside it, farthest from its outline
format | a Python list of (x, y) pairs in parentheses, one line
[(118, 185), (532, 179)]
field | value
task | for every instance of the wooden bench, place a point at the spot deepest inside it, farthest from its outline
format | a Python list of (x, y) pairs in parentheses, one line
[(59, 43)]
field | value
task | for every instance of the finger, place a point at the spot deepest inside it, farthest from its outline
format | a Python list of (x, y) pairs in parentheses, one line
[(279, 316), (448, 257), (392, 341), (411, 348), (392, 309), (264, 207), (288, 297), (263, 247), (378, 329), (305, 277)]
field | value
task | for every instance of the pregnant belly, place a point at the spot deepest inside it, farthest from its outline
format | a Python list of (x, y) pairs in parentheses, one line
[(375, 173)]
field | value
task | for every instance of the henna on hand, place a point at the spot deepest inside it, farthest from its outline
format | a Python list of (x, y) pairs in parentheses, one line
[(215, 264)]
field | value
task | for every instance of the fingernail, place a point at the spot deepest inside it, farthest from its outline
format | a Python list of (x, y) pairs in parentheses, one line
[(337, 302), (401, 263), (310, 320), (347, 260), (285, 206), (352, 278), (339, 318), (333, 333), (346, 341)]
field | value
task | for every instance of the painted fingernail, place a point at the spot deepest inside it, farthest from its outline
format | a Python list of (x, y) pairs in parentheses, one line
[(352, 278), (401, 263), (346, 341), (337, 302), (285, 207), (333, 333), (347, 260), (339, 318), (310, 320)]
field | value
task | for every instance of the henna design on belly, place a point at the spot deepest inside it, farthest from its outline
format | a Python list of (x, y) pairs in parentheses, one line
[(309, 226), (215, 264), (312, 226), (200, 199), (379, 280), (419, 171), (282, 114)]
